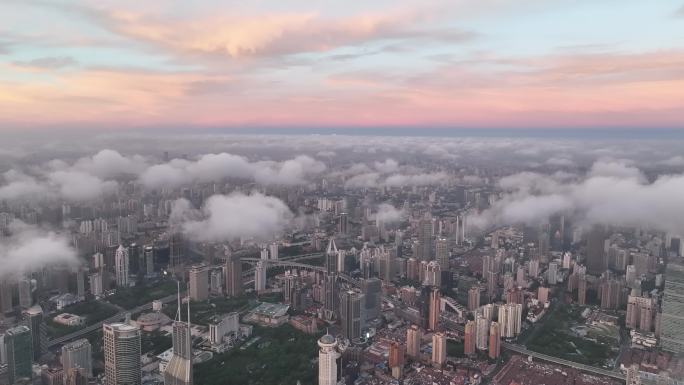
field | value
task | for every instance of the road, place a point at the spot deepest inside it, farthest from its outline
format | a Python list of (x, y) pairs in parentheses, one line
[(586, 368), (115, 318)]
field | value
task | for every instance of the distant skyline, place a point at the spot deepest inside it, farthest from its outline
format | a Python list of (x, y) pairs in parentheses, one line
[(302, 66)]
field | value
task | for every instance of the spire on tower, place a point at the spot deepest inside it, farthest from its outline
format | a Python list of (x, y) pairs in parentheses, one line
[(332, 248)]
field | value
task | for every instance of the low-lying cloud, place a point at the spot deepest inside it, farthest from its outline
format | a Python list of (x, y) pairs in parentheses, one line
[(612, 193), (226, 217), (29, 248), (216, 167)]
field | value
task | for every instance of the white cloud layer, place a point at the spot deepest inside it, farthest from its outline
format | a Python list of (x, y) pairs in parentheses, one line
[(226, 217), (29, 248)]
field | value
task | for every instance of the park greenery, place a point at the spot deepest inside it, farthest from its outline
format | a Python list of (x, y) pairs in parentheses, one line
[(556, 338), (282, 355)]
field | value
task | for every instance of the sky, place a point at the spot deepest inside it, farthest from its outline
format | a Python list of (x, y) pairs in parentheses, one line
[(541, 64)]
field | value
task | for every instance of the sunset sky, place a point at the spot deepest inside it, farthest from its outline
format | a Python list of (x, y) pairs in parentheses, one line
[(343, 63)]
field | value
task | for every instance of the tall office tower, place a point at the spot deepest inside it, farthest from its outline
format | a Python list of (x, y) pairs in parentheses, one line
[(176, 250), (582, 289), (80, 273), (533, 269), (413, 337), (520, 278), (351, 317), (343, 224), (432, 273), (233, 281), (442, 252), (672, 322), (552, 273), (5, 295), (331, 257), (25, 295), (341, 258), (543, 294), (332, 296), (481, 332), (96, 284), (372, 290), (264, 253), (75, 376), (397, 359), (611, 294), (289, 285), (469, 338), (596, 263), (260, 277), (77, 354), (631, 276), (121, 264), (425, 231), (438, 349), (640, 313), (327, 360), (98, 261), (486, 265), (216, 282), (148, 258), (433, 319), (567, 260), (412, 269), (19, 353), (510, 319), (492, 284), (273, 251), (33, 319), (179, 369), (473, 298), (121, 354), (199, 283), (494, 340)]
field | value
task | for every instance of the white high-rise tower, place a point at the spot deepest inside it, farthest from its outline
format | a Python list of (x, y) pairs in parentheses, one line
[(121, 265), (327, 360)]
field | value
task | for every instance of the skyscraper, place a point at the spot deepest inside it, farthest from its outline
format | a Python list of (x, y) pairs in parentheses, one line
[(438, 349), (77, 354), (442, 253), (179, 369), (433, 319), (413, 338), (510, 319), (19, 351), (596, 263), (121, 264), (425, 231), (469, 338), (372, 289), (672, 321), (331, 257), (121, 354), (396, 358), (260, 277), (233, 270), (331, 300), (473, 298), (327, 360), (34, 320), (199, 283), (351, 317), (494, 340), (481, 332)]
